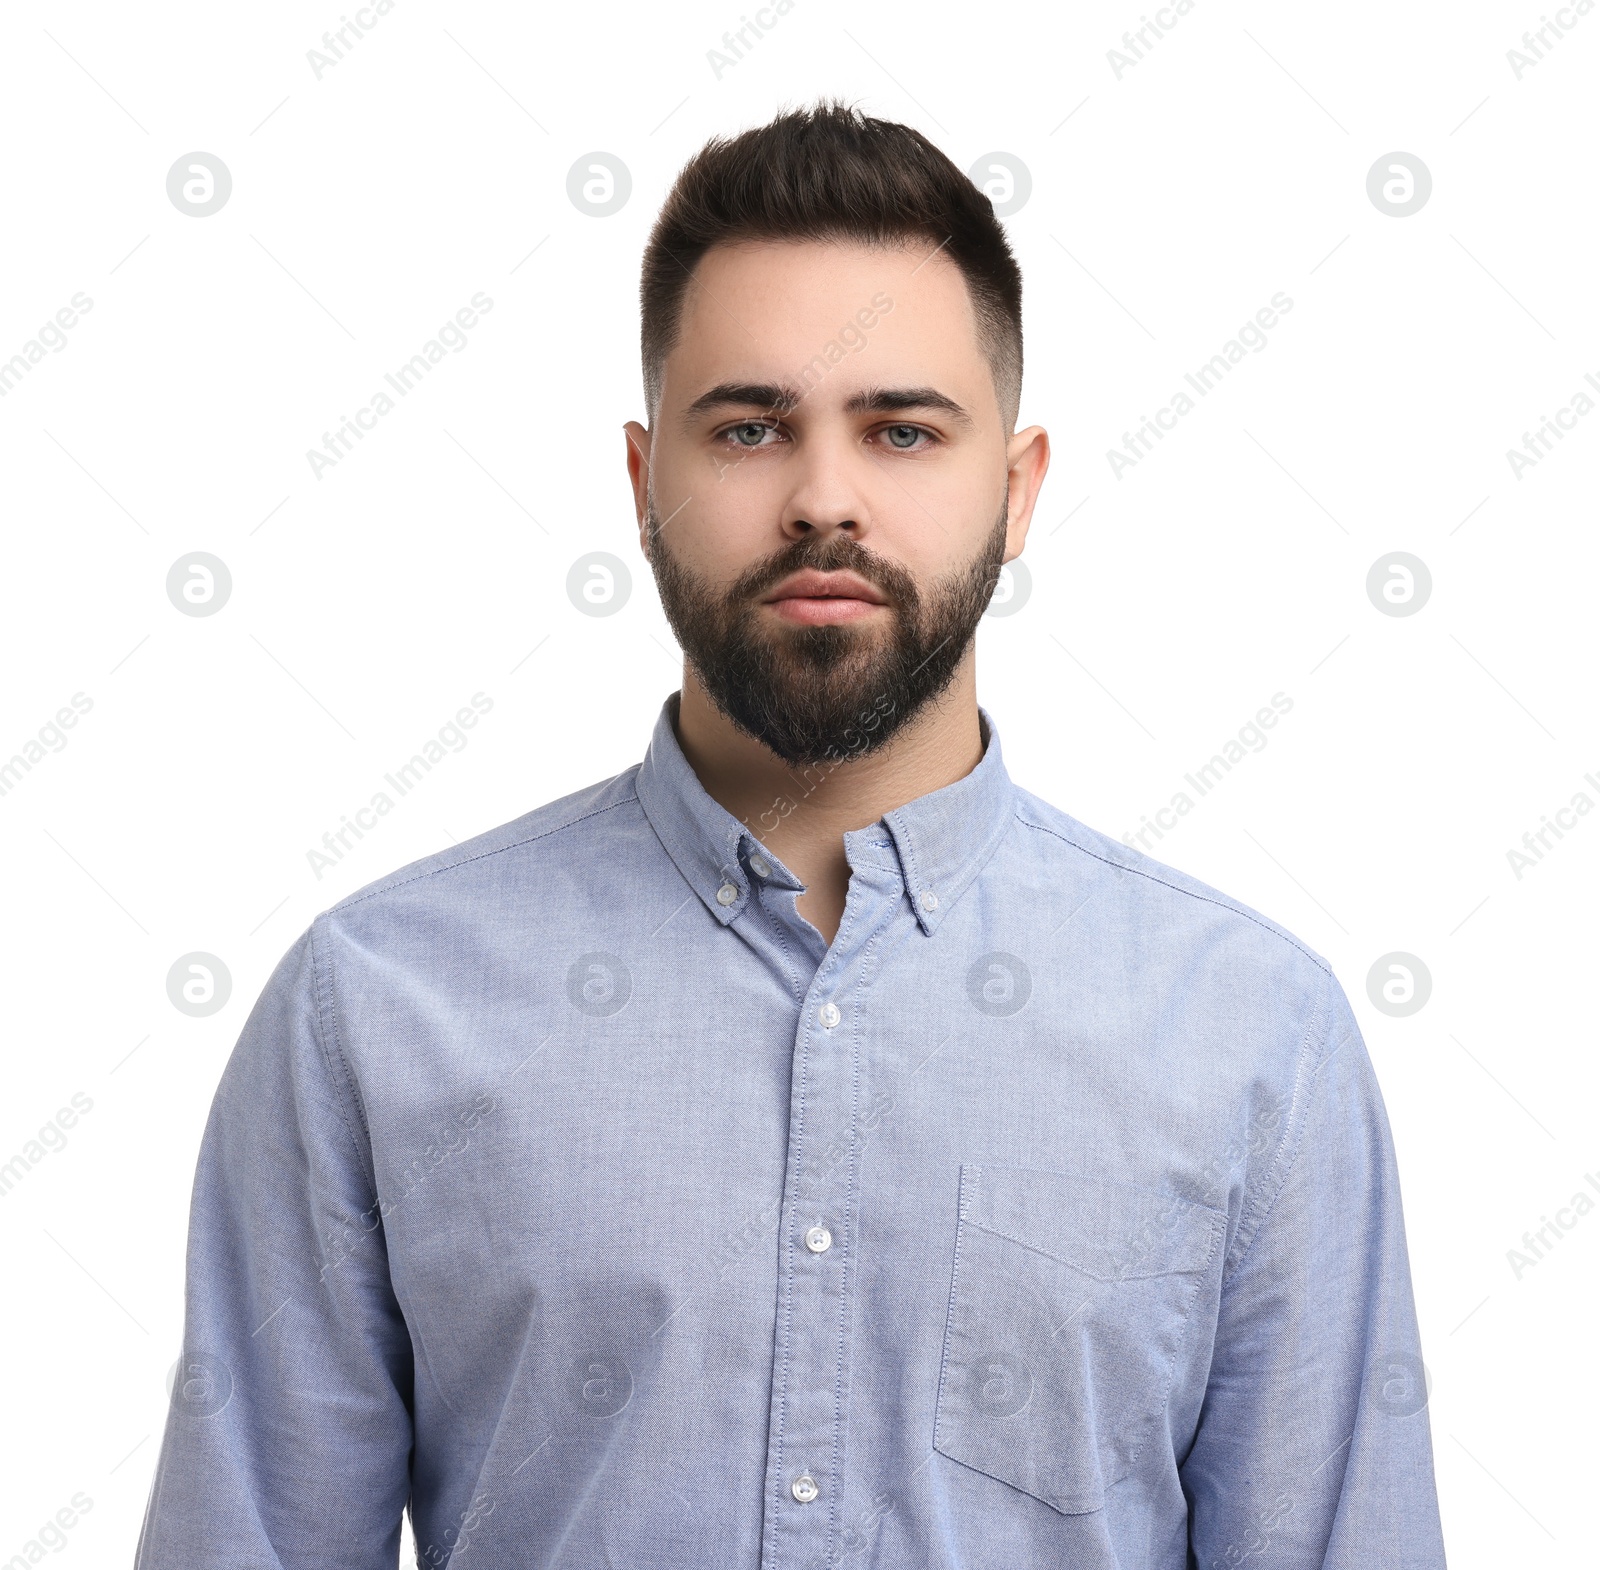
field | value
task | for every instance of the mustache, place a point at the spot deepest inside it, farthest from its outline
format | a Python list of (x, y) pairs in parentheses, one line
[(840, 553)]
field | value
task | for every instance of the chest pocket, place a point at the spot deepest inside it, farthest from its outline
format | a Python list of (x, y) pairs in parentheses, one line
[(1071, 1300)]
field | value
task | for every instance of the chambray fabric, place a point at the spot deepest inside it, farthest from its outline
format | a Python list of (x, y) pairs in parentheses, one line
[(567, 1185)]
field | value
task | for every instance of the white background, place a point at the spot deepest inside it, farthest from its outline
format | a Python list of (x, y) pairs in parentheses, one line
[(1167, 605)]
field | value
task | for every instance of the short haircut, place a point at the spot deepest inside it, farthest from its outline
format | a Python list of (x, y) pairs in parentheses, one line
[(831, 173)]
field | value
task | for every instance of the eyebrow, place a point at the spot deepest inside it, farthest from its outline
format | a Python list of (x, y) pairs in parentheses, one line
[(776, 398), (895, 400), (770, 396)]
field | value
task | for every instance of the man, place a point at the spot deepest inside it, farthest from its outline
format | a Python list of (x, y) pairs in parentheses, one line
[(807, 1147)]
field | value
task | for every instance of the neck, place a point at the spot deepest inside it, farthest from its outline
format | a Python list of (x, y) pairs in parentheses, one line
[(801, 813)]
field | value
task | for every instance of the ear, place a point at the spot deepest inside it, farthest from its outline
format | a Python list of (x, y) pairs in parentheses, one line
[(639, 479), (1027, 459)]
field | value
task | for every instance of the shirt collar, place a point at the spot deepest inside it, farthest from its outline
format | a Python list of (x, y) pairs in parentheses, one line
[(943, 839)]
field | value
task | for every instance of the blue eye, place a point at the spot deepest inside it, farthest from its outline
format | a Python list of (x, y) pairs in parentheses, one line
[(895, 433)]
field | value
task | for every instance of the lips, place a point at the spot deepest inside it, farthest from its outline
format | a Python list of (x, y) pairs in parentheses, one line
[(817, 599), (813, 585)]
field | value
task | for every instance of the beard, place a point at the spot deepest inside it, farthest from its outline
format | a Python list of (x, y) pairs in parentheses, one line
[(823, 693)]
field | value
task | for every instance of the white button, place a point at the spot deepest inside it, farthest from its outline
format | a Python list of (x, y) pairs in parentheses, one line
[(930, 901), (727, 894), (819, 1239), (804, 1488), (829, 1014), (760, 867)]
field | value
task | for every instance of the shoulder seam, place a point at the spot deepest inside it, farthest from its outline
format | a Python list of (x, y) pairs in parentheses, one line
[(325, 1021), (1295, 1131), (482, 855), (1139, 872)]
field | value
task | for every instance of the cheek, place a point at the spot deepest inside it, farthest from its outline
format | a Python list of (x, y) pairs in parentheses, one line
[(713, 479), (950, 493), (936, 542), (718, 535)]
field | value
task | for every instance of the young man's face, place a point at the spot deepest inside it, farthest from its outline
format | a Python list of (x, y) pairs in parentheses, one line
[(823, 496)]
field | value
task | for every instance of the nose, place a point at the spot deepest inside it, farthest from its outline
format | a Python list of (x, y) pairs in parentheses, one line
[(826, 497)]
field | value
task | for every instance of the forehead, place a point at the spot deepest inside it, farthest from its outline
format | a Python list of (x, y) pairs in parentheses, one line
[(763, 310)]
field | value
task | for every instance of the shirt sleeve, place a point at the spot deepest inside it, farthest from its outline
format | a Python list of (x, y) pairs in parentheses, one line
[(288, 1436), (1313, 1447)]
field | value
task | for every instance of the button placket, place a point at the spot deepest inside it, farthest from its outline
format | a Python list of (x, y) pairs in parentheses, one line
[(822, 1186), (812, 1348)]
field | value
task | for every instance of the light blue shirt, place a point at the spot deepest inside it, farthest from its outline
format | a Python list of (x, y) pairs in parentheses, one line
[(568, 1185)]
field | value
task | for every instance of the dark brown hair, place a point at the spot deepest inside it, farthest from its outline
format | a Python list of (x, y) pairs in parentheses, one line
[(831, 173)]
